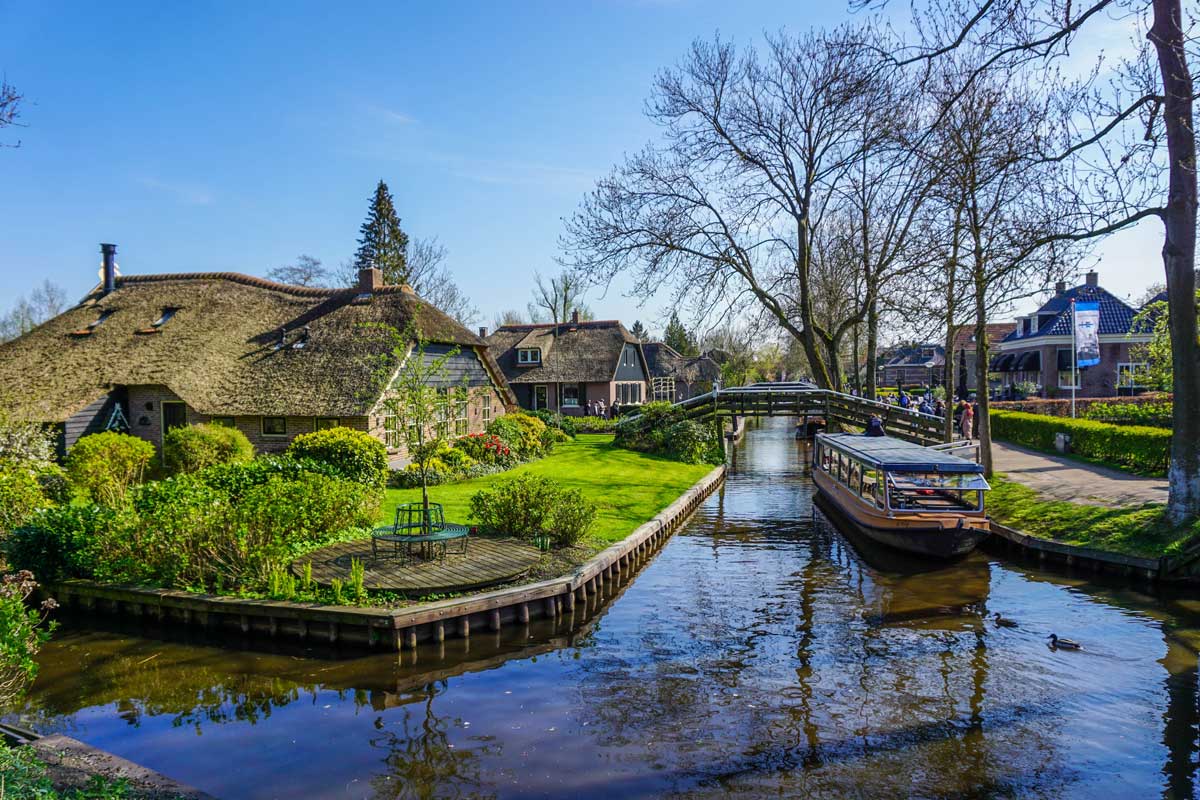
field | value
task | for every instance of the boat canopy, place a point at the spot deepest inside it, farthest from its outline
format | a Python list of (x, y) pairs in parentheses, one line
[(897, 455)]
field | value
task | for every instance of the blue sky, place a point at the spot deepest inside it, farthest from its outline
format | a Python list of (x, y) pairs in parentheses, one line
[(222, 136)]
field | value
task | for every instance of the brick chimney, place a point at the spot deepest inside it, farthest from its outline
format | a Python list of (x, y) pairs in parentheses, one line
[(1060, 288), (1092, 278), (109, 269), (483, 331), (369, 279), (575, 316)]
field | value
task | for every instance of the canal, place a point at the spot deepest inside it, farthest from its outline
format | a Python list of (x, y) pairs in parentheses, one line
[(760, 653)]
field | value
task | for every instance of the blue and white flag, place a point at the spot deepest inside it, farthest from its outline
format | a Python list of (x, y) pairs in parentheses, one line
[(1087, 333)]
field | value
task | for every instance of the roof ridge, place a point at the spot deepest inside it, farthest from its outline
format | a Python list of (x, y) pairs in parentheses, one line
[(591, 323), (253, 280)]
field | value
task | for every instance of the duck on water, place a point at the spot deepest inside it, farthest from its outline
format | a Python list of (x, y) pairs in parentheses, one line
[(918, 499)]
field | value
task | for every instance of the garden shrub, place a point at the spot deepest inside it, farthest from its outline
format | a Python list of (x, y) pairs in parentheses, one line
[(104, 466), (21, 495), (55, 486), (195, 447), (456, 459), (437, 472), (557, 421), (356, 455), (1155, 415), (1138, 448), (22, 633), (647, 433), (309, 509), (58, 542), (534, 507), (237, 479), (486, 448), (690, 442), (594, 425), (522, 433)]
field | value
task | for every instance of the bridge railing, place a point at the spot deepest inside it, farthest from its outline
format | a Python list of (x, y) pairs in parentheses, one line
[(800, 400)]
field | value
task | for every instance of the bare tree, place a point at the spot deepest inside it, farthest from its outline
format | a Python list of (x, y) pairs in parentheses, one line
[(44, 302), (10, 108), (306, 271), (430, 278), (555, 299), (509, 317), (757, 150)]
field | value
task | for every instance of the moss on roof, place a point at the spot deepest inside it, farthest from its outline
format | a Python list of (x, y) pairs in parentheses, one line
[(582, 352), (220, 351)]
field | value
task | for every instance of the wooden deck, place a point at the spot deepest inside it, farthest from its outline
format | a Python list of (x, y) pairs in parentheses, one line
[(487, 562)]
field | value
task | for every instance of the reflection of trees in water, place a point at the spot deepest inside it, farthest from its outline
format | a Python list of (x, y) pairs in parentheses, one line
[(421, 760)]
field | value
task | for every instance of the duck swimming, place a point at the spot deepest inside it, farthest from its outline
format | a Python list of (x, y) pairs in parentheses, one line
[(1064, 644), (1004, 622)]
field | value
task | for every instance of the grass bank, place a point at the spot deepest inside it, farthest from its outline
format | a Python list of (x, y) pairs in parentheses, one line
[(1135, 530), (627, 487)]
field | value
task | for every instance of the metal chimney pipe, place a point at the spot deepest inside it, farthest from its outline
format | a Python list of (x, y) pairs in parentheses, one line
[(109, 252)]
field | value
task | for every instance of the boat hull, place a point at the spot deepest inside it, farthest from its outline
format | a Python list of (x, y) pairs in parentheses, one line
[(929, 534)]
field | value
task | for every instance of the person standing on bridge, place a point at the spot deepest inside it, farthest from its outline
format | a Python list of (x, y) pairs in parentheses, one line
[(967, 421)]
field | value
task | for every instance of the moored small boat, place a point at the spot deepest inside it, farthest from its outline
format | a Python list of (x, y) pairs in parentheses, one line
[(903, 495)]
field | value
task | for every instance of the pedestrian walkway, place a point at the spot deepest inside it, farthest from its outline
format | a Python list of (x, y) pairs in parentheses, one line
[(1060, 478)]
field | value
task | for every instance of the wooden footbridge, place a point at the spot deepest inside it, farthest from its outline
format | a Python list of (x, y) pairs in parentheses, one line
[(808, 403)]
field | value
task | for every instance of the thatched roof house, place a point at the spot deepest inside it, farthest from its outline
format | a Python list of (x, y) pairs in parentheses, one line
[(675, 377), (155, 351), (572, 366)]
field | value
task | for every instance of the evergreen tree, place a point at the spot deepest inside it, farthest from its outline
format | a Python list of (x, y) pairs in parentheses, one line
[(678, 337), (639, 330), (381, 242)]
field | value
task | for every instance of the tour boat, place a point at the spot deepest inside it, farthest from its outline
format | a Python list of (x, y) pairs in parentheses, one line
[(917, 499)]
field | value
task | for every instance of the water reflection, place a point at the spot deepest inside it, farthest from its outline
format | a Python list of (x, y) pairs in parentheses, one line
[(761, 652)]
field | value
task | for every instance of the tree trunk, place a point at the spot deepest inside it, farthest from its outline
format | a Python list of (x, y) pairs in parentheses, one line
[(1179, 259), (855, 363), (948, 377), (983, 425), (872, 347)]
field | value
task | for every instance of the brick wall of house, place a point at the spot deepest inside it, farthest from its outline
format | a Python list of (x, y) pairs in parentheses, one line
[(475, 420), (146, 420), (1097, 381)]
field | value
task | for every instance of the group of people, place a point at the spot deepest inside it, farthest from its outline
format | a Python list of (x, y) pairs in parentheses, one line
[(927, 403), (598, 408)]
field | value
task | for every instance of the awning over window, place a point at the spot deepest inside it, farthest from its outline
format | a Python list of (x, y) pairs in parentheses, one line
[(1001, 363), (1030, 361)]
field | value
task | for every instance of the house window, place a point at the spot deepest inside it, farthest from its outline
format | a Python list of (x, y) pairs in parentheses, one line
[(174, 415), (392, 435), (1066, 375), (487, 408), (570, 395), (460, 412), (325, 423), (164, 317), (540, 398), (529, 356), (226, 422), (274, 426), (629, 393), (664, 389), (1133, 374)]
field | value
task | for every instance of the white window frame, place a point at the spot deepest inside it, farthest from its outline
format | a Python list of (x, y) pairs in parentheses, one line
[(529, 355), (663, 389), (392, 435), (1133, 368), (462, 412), (486, 408), (563, 401)]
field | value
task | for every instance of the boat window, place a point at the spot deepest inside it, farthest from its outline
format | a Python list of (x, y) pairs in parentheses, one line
[(936, 491), (854, 476), (940, 480), (871, 489), (826, 459)]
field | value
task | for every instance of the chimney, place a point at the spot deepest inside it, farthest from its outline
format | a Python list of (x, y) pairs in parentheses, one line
[(483, 331), (109, 253), (369, 279), (1092, 278), (575, 316), (1060, 288)]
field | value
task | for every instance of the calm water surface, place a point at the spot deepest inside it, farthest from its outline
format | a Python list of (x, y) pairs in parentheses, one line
[(760, 653)]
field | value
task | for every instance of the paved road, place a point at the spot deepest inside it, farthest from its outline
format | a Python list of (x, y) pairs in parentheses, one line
[(1078, 482)]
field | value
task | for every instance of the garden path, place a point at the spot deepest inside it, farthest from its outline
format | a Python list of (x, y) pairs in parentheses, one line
[(1060, 478)]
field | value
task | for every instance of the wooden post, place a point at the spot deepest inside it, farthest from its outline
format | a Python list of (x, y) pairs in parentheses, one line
[(410, 637), (333, 632), (439, 631), (523, 611), (494, 619), (464, 626)]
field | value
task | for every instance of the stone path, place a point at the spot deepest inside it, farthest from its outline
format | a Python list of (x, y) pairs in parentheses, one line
[(1075, 481)]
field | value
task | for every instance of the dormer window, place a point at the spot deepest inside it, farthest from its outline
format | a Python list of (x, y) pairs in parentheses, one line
[(96, 323), (529, 356)]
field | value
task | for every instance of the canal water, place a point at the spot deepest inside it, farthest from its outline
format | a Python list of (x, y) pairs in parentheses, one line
[(760, 653)]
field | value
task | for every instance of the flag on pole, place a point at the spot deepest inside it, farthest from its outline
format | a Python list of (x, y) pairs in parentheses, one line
[(1087, 333)]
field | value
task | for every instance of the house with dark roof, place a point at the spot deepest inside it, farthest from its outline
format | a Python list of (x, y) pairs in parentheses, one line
[(913, 365), (568, 367), (147, 353), (675, 377), (1040, 349), (964, 351)]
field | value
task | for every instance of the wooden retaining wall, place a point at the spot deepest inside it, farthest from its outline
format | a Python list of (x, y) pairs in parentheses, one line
[(397, 629), (1058, 554)]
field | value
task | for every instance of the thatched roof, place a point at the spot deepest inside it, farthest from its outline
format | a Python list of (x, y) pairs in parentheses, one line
[(221, 352), (572, 352), (665, 361)]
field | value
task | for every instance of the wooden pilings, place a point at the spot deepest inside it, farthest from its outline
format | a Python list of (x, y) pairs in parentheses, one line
[(405, 628)]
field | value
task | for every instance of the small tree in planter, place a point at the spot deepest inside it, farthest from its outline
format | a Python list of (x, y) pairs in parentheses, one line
[(421, 405)]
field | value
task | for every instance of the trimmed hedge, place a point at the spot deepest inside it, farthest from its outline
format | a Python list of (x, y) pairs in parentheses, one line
[(1139, 448), (355, 455), (192, 448), (1061, 406)]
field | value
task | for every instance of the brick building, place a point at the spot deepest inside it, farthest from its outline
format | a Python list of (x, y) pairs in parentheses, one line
[(1039, 350), (147, 353)]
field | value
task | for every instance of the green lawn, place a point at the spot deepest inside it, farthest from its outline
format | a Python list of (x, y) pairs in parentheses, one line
[(628, 488), (1136, 530)]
